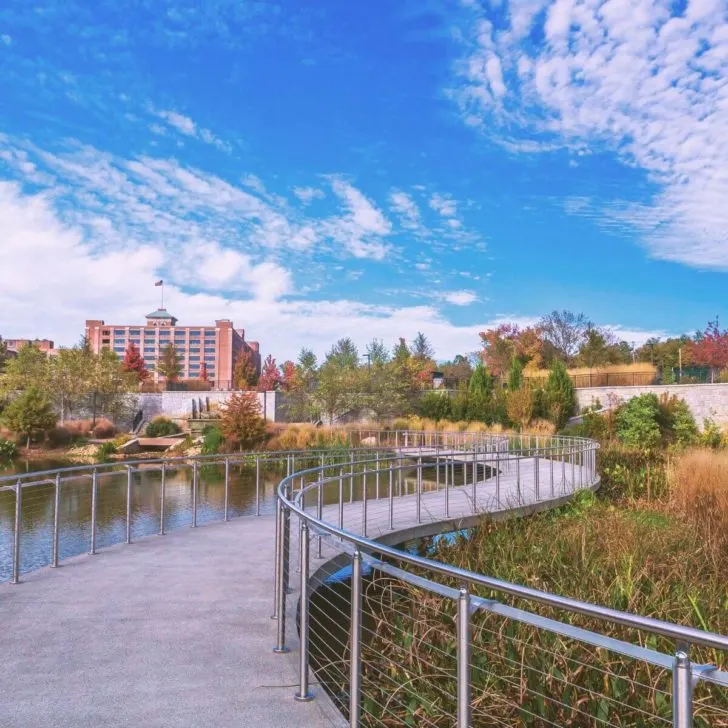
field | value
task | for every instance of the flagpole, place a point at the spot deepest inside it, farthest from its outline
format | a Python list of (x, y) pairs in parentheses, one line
[(162, 295)]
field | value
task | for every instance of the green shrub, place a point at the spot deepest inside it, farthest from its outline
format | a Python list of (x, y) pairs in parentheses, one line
[(161, 427), (711, 435), (637, 422), (435, 405), (630, 473), (7, 451), (104, 450), (212, 440)]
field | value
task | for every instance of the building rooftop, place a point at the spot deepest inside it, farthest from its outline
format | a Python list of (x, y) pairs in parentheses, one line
[(160, 313)]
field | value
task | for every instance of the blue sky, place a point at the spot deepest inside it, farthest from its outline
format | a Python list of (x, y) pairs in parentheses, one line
[(315, 170)]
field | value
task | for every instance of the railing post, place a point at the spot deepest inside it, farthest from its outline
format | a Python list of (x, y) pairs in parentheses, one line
[(304, 695), (463, 658), (518, 479), (94, 503), (682, 690), (551, 467), (341, 497), (194, 494), (320, 513), (497, 478), (391, 497), (537, 477), (129, 477), (162, 499), (282, 586), (447, 489), (257, 485), (56, 520), (364, 504), (418, 486), (376, 484), (227, 491), (355, 646), (473, 494), (276, 566), (16, 534)]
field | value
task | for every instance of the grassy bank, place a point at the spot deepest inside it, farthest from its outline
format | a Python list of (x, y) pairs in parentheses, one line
[(655, 542)]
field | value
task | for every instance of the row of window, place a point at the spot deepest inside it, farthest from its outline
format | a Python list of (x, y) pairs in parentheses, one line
[(163, 333)]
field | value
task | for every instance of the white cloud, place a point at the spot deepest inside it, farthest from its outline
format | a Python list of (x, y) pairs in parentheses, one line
[(187, 126), (308, 194), (52, 280), (407, 208), (363, 228), (6, 39), (460, 298), (444, 206), (638, 78)]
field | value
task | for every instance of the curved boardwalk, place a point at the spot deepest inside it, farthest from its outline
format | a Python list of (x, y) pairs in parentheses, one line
[(176, 630)]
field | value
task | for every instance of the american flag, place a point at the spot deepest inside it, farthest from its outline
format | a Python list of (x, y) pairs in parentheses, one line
[(159, 283)]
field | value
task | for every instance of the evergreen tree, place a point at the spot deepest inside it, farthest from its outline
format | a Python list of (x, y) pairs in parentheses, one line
[(29, 413), (3, 354), (343, 354), (134, 363), (421, 347), (515, 375), (401, 352), (480, 382), (559, 394)]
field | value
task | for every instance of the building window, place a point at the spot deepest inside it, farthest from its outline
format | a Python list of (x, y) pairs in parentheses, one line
[(164, 334), (149, 349), (194, 350), (209, 350), (119, 349), (194, 358), (210, 333), (135, 332), (119, 332), (119, 342), (134, 341), (106, 332), (208, 357)]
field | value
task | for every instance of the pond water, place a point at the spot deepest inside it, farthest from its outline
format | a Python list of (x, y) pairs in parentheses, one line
[(36, 543)]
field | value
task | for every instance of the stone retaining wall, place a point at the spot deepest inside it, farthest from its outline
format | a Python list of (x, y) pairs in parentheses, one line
[(178, 405), (706, 401)]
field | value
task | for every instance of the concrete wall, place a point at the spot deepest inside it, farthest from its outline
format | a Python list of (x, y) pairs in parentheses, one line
[(179, 404), (704, 400)]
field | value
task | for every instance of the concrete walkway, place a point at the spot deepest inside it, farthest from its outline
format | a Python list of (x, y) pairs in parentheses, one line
[(171, 631), (176, 630)]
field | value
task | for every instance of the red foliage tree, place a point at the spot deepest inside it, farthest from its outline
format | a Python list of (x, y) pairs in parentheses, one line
[(711, 349), (270, 377), (290, 376), (203, 372), (134, 362)]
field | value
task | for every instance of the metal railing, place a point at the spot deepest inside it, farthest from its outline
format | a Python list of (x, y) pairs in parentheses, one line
[(398, 638), (135, 494)]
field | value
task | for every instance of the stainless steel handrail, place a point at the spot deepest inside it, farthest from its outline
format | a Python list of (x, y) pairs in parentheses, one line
[(292, 502)]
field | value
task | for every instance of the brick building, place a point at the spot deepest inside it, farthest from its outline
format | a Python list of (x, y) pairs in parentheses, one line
[(217, 346), (45, 345)]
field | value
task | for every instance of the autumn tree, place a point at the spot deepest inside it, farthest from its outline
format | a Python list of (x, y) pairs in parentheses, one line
[(270, 377), (711, 348), (245, 375), (499, 347), (456, 371), (168, 364), (289, 376), (241, 422), (203, 372), (134, 363)]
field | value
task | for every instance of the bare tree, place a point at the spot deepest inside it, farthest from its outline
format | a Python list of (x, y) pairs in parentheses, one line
[(565, 332)]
